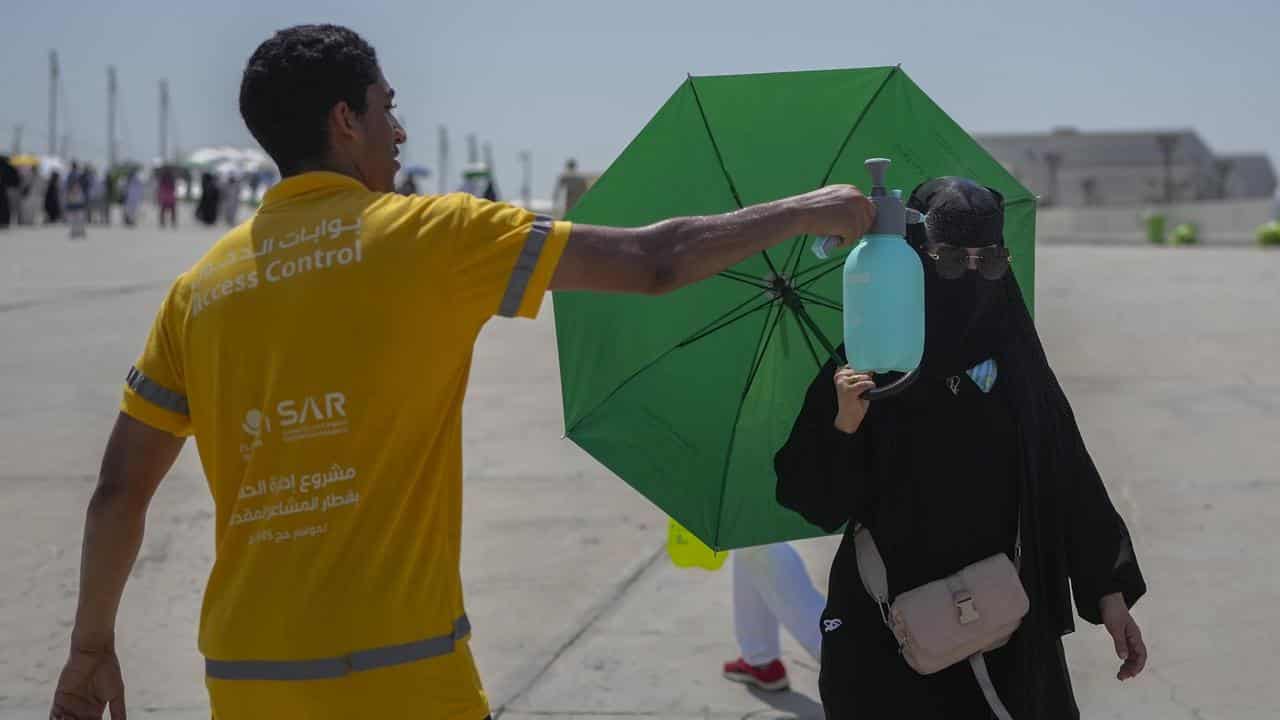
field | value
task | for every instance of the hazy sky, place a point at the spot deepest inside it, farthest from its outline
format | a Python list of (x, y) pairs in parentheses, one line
[(580, 78)]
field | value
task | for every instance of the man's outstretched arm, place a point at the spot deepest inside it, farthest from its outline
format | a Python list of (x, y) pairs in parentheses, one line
[(669, 255), (137, 458)]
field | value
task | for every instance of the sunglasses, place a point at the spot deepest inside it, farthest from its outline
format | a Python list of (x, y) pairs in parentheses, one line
[(951, 262)]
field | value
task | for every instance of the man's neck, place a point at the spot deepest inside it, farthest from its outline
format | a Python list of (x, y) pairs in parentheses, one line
[(332, 165)]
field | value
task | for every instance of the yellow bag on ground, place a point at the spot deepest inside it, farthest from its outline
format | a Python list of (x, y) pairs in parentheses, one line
[(686, 550)]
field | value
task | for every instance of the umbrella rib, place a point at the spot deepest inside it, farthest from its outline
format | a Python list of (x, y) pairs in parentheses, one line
[(816, 296), (717, 324), (803, 316), (792, 255), (762, 345), (825, 272), (804, 335), (722, 322), (858, 121), (824, 265), (715, 147), (820, 301)]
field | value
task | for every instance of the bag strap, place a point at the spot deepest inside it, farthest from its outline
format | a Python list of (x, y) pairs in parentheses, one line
[(1017, 542), (978, 662), (875, 578)]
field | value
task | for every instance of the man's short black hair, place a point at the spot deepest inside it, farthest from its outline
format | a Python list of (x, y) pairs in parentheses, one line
[(292, 81)]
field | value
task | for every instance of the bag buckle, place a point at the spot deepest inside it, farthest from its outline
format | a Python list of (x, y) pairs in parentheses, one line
[(885, 612), (968, 613)]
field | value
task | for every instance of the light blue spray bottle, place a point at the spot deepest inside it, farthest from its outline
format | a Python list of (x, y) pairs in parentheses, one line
[(883, 291)]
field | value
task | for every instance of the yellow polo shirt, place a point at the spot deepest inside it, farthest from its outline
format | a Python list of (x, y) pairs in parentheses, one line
[(319, 354)]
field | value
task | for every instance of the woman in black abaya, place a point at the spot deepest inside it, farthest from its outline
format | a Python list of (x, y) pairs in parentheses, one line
[(940, 474)]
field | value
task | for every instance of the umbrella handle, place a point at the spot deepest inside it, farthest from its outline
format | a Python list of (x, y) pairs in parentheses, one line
[(897, 386)]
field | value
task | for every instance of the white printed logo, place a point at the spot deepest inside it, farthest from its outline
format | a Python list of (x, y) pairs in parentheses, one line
[(311, 416), (254, 425), (953, 383), (831, 625)]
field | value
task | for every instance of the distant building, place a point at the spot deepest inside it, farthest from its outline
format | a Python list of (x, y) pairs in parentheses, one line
[(571, 185), (1248, 175), (1070, 168)]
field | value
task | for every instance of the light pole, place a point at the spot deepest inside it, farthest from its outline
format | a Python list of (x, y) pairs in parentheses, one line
[(1167, 143)]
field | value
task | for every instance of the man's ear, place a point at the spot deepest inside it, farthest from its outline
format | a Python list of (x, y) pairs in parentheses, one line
[(343, 121)]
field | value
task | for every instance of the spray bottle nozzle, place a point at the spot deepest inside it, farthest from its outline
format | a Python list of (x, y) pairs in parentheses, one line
[(877, 167)]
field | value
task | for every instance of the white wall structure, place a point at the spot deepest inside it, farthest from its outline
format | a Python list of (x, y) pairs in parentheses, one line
[(1229, 222), (1071, 168)]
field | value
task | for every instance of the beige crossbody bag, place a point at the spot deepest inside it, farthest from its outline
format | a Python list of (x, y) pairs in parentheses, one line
[(957, 618)]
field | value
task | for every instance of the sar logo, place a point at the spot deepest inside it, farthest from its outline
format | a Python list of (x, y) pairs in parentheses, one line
[(255, 425)]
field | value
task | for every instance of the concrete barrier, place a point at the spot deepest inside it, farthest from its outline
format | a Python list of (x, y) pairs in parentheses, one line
[(1229, 222)]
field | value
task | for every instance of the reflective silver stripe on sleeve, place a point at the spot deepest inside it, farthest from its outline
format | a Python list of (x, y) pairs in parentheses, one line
[(525, 264), (155, 394), (357, 661)]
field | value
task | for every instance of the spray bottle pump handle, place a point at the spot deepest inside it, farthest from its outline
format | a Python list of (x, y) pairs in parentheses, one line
[(877, 167)]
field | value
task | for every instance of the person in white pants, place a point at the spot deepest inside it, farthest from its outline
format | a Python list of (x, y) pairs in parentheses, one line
[(771, 588)]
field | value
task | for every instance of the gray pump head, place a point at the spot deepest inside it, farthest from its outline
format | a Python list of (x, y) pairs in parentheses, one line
[(892, 217)]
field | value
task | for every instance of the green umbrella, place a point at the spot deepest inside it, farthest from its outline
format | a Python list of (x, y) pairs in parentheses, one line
[(687, 396)]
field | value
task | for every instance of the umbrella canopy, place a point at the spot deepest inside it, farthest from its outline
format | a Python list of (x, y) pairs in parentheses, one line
[(228, 160), (688, 396), (50, 164), (209, 156), (24, 161)]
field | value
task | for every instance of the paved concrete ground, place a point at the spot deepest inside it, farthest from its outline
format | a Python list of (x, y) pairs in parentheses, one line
[(1169, 356)]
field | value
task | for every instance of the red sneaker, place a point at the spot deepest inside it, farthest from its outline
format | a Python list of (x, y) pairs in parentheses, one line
[(771, 677)]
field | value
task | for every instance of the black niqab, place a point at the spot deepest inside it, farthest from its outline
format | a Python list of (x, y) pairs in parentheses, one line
[(966, 319)]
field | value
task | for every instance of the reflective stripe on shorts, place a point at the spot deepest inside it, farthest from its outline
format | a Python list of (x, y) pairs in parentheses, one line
[(357, 661)]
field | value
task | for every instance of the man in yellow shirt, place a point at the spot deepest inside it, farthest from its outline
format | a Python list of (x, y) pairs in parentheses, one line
[(319, 354)]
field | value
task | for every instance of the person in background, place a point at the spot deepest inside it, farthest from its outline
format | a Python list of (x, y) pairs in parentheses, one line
[(98, 210), (133, 191), (570, 186), (53, 198), (77, 199), (167, 197), (771, 588), (109, 195), (9, 180), (30, 196), (207, 207), (230, 198)]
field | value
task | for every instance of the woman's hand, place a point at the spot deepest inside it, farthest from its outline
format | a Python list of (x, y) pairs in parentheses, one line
[(850, 387), (1126, 635)]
